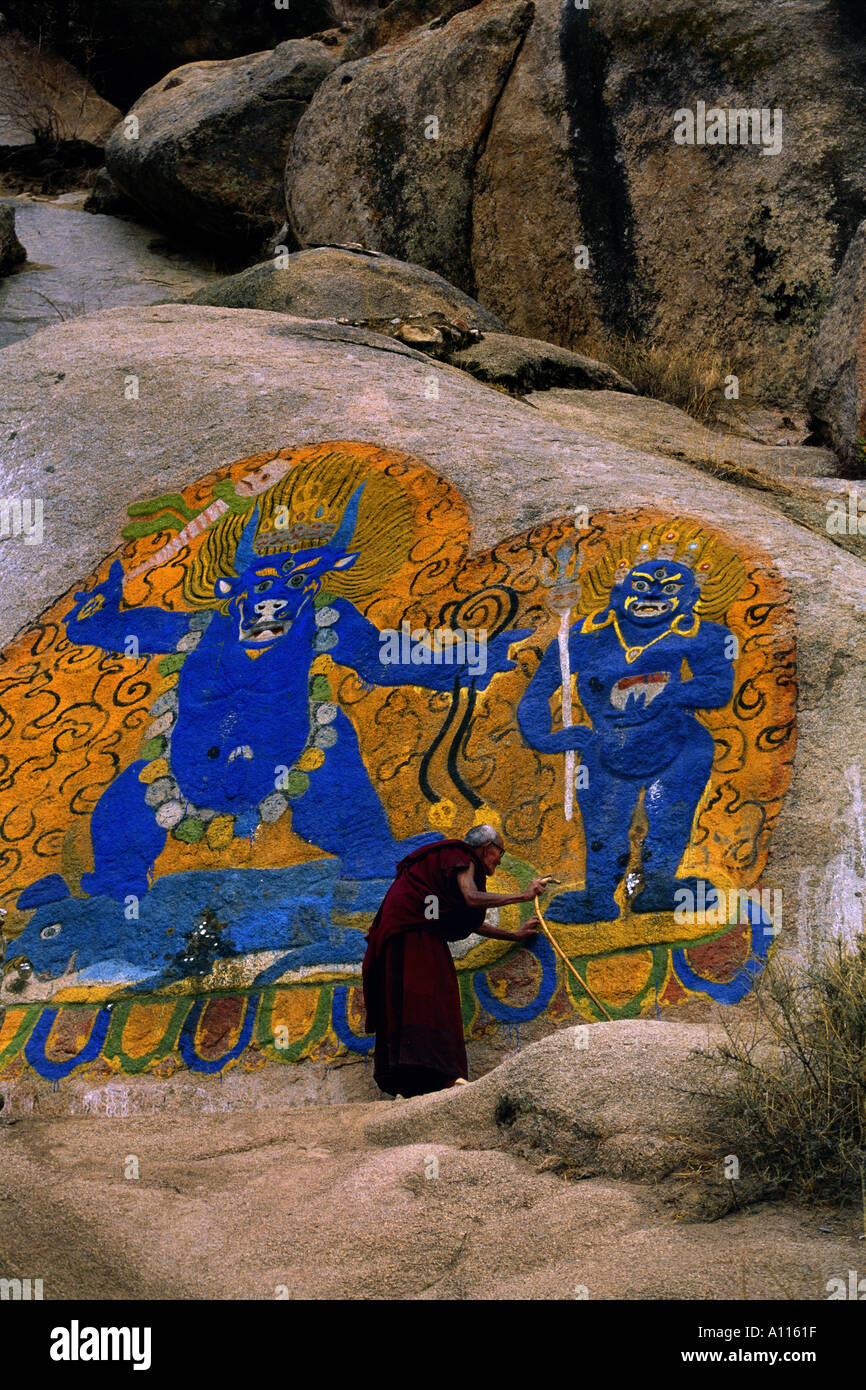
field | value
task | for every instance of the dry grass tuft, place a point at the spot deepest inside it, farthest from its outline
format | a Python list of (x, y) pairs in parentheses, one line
[(691, 378), (794, 1098)]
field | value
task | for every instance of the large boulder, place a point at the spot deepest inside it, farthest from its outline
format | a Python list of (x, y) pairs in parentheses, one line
[(12, 253), (406, 301), (331, 282), (215, 385), (617, 1100), (521, 365), (687, 244), (212, 137), (837, 371), (387, 156)]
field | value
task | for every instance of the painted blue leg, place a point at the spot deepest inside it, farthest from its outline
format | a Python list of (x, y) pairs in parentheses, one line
[(670, 804), (606, 806), (342, 814), (126, 839)]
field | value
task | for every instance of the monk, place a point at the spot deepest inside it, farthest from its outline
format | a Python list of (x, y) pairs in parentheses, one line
[(410, 984)]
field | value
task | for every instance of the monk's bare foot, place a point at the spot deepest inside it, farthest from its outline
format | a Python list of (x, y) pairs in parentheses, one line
[(461, 1081)]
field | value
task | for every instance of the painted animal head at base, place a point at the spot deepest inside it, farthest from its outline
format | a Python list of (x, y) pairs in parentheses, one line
[(57, 936), (268, 593)]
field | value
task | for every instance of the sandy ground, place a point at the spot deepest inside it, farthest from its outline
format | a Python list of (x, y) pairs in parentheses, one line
[(296, 1203)]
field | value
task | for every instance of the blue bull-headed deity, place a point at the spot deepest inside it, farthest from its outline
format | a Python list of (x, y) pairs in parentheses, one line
[(645, 662), (246, 732)]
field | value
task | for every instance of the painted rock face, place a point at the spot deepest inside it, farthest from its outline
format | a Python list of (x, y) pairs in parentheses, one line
[(290, 675)]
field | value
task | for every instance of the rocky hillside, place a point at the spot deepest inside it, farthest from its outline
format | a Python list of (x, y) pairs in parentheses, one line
[(564, 137), (644, 169), (45, 99)]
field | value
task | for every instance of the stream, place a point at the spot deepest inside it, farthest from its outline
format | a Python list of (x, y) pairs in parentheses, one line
[(80, 262)]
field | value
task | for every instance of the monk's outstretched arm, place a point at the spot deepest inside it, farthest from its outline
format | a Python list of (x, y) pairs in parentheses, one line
[(475, 898)]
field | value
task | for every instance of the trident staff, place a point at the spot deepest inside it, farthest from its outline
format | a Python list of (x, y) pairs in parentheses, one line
[(562, 594)]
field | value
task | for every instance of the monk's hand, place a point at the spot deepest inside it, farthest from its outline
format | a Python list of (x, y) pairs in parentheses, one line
[(536, 888), (530, 927)]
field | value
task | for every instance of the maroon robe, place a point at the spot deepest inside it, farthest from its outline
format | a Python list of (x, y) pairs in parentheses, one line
[(411, 993)]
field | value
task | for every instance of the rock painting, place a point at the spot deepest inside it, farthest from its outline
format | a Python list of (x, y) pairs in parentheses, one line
[(215, 749)]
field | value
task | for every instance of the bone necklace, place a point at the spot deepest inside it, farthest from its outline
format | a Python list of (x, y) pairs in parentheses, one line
[(632, 653)]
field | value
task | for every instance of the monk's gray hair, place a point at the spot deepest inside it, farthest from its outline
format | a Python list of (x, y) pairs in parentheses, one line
[(481, 835)]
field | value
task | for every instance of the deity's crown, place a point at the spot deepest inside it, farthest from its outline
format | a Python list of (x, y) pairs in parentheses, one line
[(680, 542), (310, 521), (683, 553), (298, 532)]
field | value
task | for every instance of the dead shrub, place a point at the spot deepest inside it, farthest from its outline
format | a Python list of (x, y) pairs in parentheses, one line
[(793, 1097)]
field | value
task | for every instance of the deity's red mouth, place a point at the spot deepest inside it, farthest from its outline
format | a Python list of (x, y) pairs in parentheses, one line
[(654, 678)]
